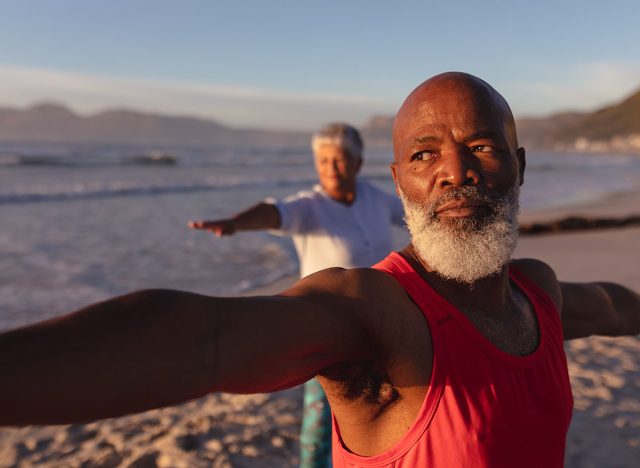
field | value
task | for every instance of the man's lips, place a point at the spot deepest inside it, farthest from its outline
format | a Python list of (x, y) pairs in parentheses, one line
[(461, 209)]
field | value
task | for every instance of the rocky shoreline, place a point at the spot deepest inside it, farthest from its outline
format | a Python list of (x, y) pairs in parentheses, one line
[(578, 223)]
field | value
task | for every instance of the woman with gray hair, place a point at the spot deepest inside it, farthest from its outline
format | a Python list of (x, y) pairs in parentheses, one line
[(342, 222)]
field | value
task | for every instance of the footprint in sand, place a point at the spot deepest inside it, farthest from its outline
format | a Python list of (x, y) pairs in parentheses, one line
[(147, 460)]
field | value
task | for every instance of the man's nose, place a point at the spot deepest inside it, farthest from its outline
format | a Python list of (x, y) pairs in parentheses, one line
[(458, 168)]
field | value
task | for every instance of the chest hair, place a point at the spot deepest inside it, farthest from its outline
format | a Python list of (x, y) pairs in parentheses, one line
[(516, 334)]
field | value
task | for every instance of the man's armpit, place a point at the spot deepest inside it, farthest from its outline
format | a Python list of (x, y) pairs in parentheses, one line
[(365, 380)]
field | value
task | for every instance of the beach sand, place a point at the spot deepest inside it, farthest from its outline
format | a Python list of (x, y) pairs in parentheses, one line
[(262, 430), (605, 372)]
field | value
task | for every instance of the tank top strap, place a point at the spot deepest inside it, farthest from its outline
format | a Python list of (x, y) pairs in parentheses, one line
[(547, 313), (438, 310), (418, 289)]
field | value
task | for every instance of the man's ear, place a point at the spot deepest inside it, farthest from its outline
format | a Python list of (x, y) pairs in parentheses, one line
[(393, 168), (358, 165), (522, 163)]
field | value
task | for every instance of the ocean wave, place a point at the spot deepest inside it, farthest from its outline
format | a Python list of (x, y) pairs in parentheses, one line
[(101, 156), (247, 285), (17, 161), (37, 192), (88, 191)]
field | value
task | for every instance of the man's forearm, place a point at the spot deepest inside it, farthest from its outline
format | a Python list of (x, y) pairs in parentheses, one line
[(136, 352)]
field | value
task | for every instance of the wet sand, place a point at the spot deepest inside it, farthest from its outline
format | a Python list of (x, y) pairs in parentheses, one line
[(262, 430)]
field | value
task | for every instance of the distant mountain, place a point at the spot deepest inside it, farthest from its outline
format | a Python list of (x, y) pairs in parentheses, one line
[(612, 128), (539, 132), (377, 131), (50, 122)]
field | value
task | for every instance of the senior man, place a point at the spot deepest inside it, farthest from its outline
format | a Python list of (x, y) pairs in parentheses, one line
[(445, 354)]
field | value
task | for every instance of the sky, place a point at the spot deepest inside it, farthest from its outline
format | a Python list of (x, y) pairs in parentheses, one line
[(297, 64)]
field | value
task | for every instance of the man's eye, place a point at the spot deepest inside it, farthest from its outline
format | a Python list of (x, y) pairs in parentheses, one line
[(482, 149), (423, 156)]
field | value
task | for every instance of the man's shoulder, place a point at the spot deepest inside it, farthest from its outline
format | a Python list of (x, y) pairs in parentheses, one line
[(532, 267), (366, 283), (541, 274), (369, 294)]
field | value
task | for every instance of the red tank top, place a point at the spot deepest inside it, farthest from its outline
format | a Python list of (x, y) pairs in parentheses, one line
[(484, 407)]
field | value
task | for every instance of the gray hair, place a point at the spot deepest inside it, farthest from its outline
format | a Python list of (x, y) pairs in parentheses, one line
[(339, 134)]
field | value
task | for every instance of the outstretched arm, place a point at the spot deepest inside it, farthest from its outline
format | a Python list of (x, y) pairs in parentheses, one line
[(258, 217), (587, 308), (599, 309), (159, 347)]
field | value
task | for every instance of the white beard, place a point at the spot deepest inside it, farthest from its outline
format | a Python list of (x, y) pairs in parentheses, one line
[(464, 250)]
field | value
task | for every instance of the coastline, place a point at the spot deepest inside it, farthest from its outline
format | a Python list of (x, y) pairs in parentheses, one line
[(593, 254), (613, 206), (224, 430)]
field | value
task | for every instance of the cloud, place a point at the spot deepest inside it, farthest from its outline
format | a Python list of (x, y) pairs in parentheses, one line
[(240, 106), (584, 86)]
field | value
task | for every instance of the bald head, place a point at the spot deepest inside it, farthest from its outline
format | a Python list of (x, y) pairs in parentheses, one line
[(458, 171), (449, 94)]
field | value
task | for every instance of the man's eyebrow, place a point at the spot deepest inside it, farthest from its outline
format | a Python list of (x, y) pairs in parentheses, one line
[(421, 140), (484, 134)]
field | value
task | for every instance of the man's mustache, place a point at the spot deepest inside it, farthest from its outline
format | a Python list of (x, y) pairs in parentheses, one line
[(471, 193)]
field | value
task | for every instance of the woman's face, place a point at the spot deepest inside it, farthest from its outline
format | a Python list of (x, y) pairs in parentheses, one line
[(336, 168)]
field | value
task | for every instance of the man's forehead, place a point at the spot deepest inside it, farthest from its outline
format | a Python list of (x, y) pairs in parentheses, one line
[(451, 101), (433, 120), (427, 135), (433, 100)]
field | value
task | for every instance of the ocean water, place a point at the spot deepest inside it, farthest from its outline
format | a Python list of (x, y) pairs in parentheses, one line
[(79, 224)]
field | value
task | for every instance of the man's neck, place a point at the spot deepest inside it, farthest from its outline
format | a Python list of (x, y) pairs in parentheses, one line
[(492, 294), (496, 309)]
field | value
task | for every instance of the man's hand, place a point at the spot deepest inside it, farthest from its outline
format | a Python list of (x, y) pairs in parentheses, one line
[(220, 227)]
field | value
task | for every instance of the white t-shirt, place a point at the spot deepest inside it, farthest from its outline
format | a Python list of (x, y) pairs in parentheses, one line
[(327, 233)]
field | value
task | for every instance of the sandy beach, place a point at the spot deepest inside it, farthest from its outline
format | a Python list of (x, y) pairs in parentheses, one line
[(261, 430), (605, 372)]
